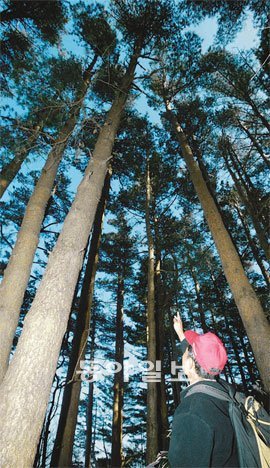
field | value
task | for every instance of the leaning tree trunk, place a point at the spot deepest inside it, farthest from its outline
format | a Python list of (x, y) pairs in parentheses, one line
[(63, 445), (11, 169), (152, 435), (118, 386), (23, 394), (250, 309), (18, 270)]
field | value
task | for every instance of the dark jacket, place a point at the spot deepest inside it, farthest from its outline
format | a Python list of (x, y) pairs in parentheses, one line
[(202, 434)]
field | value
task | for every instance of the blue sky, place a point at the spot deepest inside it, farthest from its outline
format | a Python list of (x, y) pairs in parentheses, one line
[(244, 40)]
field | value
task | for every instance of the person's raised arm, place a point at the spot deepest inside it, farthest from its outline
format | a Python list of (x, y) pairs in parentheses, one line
[(178, 326)]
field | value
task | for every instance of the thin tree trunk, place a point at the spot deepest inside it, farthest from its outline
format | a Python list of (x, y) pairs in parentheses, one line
[(236, 354), (253, 246), (11, 169), (249, 206), (152, 423), (242, 174), (17, 273), (63, 445), (223, 306), (254, 141), (175, 384), (90, 404), (41, 455), (250, 309), (197, 289), (228, 368), (163, 425), (118, 386), (256, 204), (257, 112), (23, 394), (249, 362)]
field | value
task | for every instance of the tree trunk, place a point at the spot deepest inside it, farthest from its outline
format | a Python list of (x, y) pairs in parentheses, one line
[(23, 394), (236, 354), (197, 289), (90, 404), (118, 386), (249, 206), (18, 270), (151, 431), (63, 445), (253, 246), (163, 425), (254, 141), (257, 112), (176, 387), (223, 307), (250, 309), (11, 169)]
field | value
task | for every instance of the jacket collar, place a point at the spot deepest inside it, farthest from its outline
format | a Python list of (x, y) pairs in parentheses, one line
[(204, 381)]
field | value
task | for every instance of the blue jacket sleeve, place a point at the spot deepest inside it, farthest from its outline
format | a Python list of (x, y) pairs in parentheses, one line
[(192, 442)]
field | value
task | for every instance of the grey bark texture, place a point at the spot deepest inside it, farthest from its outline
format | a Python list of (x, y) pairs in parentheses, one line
[(25, 390), (18, 271)]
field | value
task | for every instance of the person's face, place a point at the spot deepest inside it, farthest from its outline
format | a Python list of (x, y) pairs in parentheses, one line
[(185, 358), (187, 364)]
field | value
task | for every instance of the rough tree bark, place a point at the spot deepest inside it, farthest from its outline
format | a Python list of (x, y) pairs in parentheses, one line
[(23, 394), (17, 273), (152, 423), (63, 445), (250, 309)]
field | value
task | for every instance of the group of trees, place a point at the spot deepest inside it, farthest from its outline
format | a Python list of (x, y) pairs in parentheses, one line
[(185, 225)]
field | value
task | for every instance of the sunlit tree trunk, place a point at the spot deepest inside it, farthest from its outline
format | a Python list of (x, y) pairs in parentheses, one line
[(152, 423), (250, 309), (17, 273), (63, 445), (23, 394)]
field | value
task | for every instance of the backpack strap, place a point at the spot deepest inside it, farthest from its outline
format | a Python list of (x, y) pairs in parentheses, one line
[(207, 389)]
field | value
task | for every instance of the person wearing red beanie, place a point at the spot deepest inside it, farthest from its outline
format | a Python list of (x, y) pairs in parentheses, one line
[(202, 433)]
